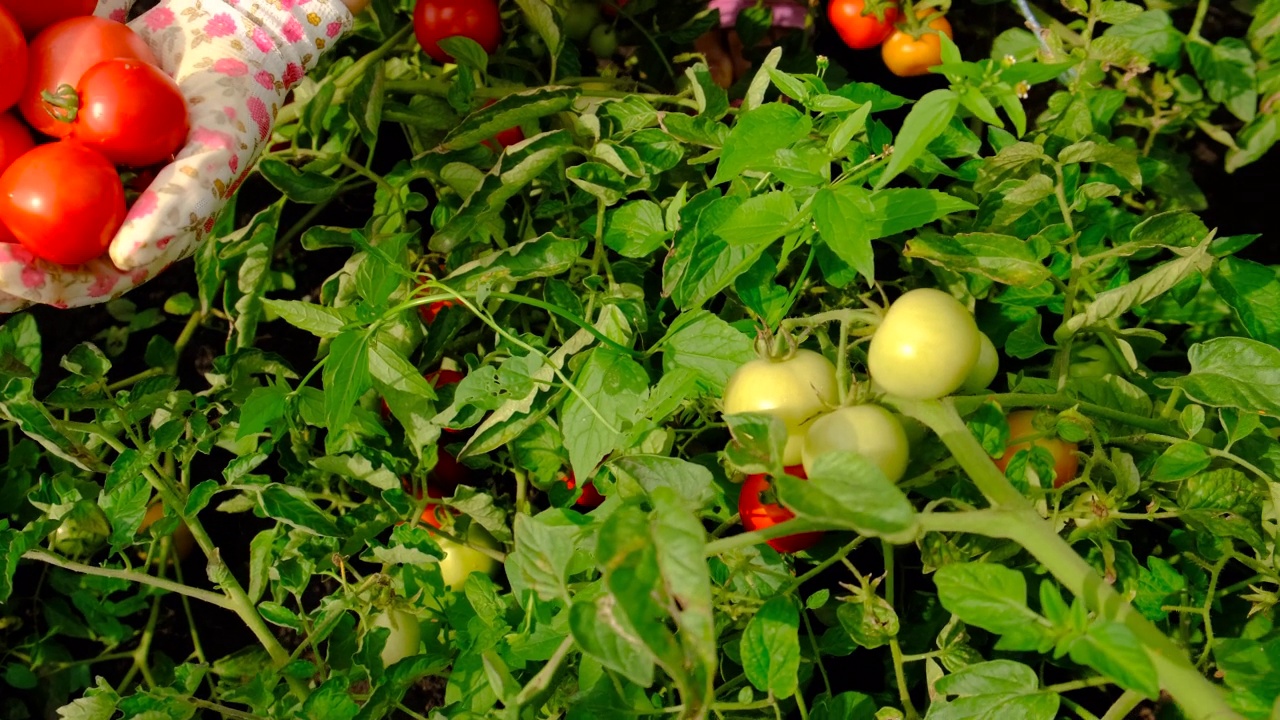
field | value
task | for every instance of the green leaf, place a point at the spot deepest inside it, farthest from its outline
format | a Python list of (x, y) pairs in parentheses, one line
[(1229, 74), (1124, 161), (1158, 583), (771, 647), (1002, 258), (759, 220), (989, 596), (346, 375), (1112, 649), (847, 705), (540, 16), (124, 496), (1233, 372), (690, 481), (264, 406), (927, 120), (292, 507), (611, 390), (544, 549), (365, 104), (758, 133), (635, 229), (844, 216), (301, 186), (989, 678), (1180, 461), (1253, 292), (1224, 490), (680, 541), (871, 622), (319, 320), (1150, 34), (845, 490)]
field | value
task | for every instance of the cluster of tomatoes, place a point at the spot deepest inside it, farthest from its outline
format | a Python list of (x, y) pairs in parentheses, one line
[(927, 346), (906, 52), (91, 88)]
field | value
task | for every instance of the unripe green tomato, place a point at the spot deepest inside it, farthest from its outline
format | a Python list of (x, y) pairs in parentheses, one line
[(461, 560), (603, 41), (795, 390), (580, 18), (405, 637), (83, 532), (1091, 361), (985, 370), (869, 430), (536, 46), (925, 346)]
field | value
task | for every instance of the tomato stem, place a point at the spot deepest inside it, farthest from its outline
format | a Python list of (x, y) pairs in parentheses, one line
[(63, 104)]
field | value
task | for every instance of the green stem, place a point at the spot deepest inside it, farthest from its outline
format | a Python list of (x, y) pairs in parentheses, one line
[(755, 537), (899, 673), (1123, 705), (1199, 698), (1201, 11), (212, 598)]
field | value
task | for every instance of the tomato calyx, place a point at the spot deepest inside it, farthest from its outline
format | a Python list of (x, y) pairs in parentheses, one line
[(63, 104)]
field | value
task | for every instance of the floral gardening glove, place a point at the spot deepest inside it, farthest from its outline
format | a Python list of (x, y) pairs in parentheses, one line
[(235, 61)]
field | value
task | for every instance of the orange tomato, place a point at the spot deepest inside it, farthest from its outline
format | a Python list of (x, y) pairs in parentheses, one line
[(908, 56), (1024, 434)]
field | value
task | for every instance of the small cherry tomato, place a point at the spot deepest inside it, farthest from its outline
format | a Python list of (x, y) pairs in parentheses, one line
[(63, 201), (462, 560), (869, 430), (131, 112), (36, 15), (61, 54), (985, 370), (908, 56), (925, 347), (83, 532), (603, 41), (435, 20), (758, 515), (858, 30), (579, 18), (611, 7), (15, 140), (181, 541), (1024, 434), (13, 58), (590, 497), (404, 638), (795, 389)]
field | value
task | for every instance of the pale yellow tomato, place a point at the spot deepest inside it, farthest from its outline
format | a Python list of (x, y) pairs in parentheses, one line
[(795, 390), (925, 346), (869, 430)]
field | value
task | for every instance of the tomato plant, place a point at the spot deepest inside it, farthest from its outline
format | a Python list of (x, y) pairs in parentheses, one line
[(63, 201), (177, 546), (131, 112), (1024, 435), (60, 55), (404, 635), (461, 560), (435, 20), (603, 41), (858, 28), (36, 16), (909, 55), (589, 498), (756, 514), (795, 389), (82, 532)]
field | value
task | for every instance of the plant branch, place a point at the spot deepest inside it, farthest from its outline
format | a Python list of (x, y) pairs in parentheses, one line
[(212, 598)]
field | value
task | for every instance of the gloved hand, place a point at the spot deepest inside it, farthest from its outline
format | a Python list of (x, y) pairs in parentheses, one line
[(235, 61)]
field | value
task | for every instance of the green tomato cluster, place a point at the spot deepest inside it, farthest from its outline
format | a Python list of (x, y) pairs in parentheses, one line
[(928, 346)]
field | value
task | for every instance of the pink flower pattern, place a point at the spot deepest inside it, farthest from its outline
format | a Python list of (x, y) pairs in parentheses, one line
[(234, 89)]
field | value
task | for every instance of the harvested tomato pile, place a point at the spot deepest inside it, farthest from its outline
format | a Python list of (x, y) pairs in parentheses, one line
[(83, 100)]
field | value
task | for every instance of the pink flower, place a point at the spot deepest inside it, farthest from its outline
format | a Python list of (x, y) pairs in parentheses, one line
[(265, 79), (292, 30), (119, 15), (146, 204), (102, 284), (262, 40), (158, 19), (258, 111), (334, 29), (230, 67), (229, 112), (211, 139), (292, 74), (33, 277), (220, 25)]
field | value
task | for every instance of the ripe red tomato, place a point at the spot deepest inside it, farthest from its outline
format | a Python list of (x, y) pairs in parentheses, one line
[(1024, 434), (61, 54), (63, 201), (131, 112), (434, 513), (435, 20), (857, 30), (15, 140), (611, 7), (590, 498), (906, 56), (757, 515), (36, 15), (13, 58)]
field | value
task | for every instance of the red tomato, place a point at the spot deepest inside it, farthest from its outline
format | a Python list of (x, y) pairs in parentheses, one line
[(61, 54), (860, 31), (36, 15), (611, 7), (15, 140), (435, 20), (590, 498), (506, 138), (1024, 434), (756, 515), (429, 312), (13, 58), (63, 201), (131, 112), (434, 513)]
